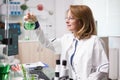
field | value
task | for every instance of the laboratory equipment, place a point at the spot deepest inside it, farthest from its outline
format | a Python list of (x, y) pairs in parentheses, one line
[(29, 25), (40, 73), (11, 41), (4, 66), (4, 71)]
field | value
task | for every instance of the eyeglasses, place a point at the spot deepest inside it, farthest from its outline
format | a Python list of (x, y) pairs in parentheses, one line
[(69, 18)]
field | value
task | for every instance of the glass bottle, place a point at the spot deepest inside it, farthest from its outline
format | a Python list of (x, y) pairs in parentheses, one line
[(4, 69), (29, 25)]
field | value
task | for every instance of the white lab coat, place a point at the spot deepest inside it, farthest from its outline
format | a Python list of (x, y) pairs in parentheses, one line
[(90, 61)]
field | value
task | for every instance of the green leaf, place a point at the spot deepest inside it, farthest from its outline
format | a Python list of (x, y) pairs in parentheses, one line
[(24, 7), (24, 72)]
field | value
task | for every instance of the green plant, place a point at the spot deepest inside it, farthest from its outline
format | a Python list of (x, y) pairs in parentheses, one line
[(24, 72), (24, 7), (32, 78)]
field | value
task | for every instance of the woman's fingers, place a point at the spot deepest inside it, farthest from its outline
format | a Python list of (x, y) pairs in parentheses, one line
[(33, 17), (30, 16), (25, 18)]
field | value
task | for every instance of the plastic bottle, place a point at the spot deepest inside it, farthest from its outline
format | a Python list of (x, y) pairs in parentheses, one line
[(18, 10), (11, 8), (64, 70), (57, 75), (57, 68)]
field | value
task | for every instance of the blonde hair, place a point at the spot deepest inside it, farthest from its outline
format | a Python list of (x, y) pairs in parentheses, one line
[(84, 14)]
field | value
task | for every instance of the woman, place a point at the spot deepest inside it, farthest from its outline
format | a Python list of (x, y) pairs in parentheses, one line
[(84, 51)]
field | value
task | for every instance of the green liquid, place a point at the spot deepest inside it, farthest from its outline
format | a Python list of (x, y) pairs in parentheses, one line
[(29, 25), (4, 72)]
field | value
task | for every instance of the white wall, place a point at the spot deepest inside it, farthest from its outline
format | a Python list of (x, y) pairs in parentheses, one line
[(61, 7), (107, 14), (114, 17)]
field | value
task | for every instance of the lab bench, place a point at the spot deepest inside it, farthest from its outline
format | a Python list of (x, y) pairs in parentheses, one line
[(31, 51)]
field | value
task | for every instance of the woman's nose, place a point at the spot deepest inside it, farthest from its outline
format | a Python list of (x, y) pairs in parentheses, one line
[(67, 20)]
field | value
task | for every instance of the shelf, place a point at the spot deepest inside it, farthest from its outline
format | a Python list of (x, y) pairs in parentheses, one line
[(12, 15)]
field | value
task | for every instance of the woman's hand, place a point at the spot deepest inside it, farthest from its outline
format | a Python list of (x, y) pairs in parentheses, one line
[(30, 17)]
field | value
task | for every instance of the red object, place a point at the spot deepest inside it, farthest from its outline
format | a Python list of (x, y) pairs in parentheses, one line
[(40, 7), (15, 67)]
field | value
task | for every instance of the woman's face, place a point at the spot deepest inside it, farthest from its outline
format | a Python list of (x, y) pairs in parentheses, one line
[(72, 22)]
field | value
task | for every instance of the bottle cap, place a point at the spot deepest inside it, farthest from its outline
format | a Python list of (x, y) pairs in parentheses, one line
[(57, 61), (57, 74), (64, 62)]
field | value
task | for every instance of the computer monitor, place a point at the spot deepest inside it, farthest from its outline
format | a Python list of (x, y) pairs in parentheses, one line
[(11, 41)]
